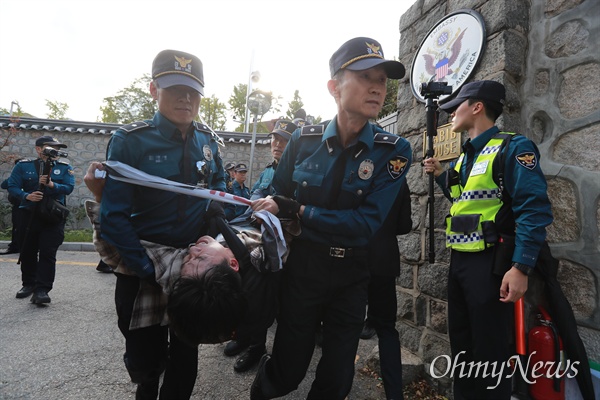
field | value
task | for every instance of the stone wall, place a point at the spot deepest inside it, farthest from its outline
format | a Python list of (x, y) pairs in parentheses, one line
[(84, 148), (546, 54)]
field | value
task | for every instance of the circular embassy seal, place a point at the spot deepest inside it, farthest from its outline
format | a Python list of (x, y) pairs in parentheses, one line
[(365, 169), (450, 52)]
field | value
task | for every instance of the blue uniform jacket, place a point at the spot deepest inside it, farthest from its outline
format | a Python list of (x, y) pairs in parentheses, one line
[(234, 210), (526, 186), (263, 186), (130, 212), (25, 178), (375, 167)]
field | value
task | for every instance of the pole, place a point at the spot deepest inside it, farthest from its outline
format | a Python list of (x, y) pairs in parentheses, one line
[(431, 109), (252, 144), (248, 91)]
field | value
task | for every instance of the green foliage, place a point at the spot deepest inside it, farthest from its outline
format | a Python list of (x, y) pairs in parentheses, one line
[(390, 103), (57, 109), (294, 105), (237, 105), (213, 112), (134, 103)]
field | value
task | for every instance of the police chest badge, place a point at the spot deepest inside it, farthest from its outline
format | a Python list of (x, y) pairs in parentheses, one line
[(527, 160), (207, 152), (365, 169), (397, 166)]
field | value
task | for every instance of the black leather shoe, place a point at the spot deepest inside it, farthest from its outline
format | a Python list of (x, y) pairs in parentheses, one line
[(249, 358), (25, 291), (103, 267), (256, 390), (40, 298), (367, 332), (9, 251), (234, 347)]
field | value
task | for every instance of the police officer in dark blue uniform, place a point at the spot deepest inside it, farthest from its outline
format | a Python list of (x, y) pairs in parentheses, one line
[(15, 245), (340, 181), (173, 146), (238, 188), (251, 335), (229, 176), (496, 230), (29, 181)]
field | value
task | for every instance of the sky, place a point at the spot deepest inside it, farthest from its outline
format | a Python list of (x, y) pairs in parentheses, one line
[(80, 51)]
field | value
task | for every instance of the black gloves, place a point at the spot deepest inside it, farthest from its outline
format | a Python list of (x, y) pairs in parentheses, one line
[(288, 208), (215, 209)]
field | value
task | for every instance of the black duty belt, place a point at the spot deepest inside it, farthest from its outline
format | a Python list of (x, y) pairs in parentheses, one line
[(331, 251)]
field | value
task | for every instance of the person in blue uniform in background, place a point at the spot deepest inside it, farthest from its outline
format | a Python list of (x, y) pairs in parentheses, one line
[(488, 215), (229, 176), (340, 181), (40, 240), (173, 146), (238, 188), (251, 335)]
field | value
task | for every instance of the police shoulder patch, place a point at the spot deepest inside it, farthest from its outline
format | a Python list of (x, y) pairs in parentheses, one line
[(312, 130), (527, 159), (61, 161), (201, 127), (386, 138), (134, 126), (397, 166)]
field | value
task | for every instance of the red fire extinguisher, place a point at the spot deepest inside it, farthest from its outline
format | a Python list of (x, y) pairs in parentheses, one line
[(545, 347)]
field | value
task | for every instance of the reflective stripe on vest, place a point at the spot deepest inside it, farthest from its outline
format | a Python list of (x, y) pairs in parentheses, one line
[(478, 197)]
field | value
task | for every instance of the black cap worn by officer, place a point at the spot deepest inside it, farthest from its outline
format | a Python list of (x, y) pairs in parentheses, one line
[(172, 67), (241, 168), (492, 92), (49, 141), (229, 166), (363, 53), (284, 128)]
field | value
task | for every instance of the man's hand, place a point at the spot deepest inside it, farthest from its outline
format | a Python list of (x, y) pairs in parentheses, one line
[(35, 196), (267, 204), (95, 185), (433, 165), (288, 208), (46, 181), (514, 286)]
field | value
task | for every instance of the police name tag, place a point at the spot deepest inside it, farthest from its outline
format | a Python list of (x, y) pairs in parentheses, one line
[(480, 168)]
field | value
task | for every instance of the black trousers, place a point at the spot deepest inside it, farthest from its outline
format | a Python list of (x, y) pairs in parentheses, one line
[(40, 242), (480, 326), (381, 315), (150, 351), (316, 286)]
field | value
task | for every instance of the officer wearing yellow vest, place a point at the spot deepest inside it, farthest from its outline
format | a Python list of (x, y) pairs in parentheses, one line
[(500, 210)]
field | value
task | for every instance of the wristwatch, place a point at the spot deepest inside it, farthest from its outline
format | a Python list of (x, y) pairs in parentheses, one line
[(526, 269)]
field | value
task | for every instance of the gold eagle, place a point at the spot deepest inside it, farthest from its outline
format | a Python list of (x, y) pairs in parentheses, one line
[(374, 48), (526, 158), (182, 61), (398, 164)]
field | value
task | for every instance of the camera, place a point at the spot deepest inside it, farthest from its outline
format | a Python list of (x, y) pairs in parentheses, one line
[(435, 89), (54, 153)]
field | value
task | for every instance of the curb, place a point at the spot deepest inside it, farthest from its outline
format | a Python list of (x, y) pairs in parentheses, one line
[(66, 246)]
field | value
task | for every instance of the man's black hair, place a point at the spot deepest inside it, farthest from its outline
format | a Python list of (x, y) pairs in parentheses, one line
[(207, 308)]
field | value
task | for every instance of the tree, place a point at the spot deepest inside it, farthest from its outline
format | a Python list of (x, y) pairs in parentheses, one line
[(390, 103), (237, 104), (134, 103), (57, 109), (213, 112), (294, 105)]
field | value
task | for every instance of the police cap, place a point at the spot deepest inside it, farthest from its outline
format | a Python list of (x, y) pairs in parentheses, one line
[(363, 53), (172, 67), (48, 141), (284, 128), (241, 168), (492, 92)]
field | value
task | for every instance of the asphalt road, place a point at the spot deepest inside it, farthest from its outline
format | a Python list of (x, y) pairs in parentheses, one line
[(72, 349)]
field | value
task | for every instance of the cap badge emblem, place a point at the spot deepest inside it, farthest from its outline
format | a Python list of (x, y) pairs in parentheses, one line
[(183, 64)]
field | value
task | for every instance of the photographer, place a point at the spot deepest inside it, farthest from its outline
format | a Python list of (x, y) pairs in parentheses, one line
[(29, 181)]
